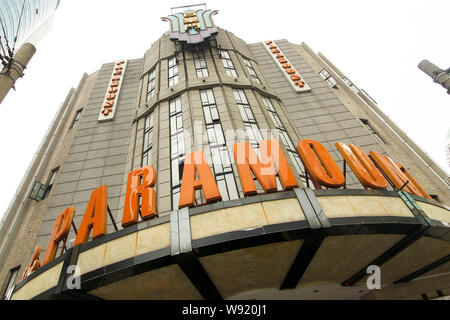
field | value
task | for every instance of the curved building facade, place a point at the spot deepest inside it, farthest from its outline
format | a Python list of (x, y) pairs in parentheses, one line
[(215, 169)]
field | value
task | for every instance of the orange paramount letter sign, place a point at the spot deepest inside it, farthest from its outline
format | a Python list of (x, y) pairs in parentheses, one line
[(59, 233), (396, 175), (364, 169), (320, 165), (247, 162), (195, 162), (34, 263), (95, 216), (139, 185)]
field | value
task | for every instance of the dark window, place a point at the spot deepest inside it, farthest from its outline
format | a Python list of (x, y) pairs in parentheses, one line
[(50, 181), (286, 140), (173, 71), (228, 64), (251, 125), (13, 273), (148, 141), (38, 192), (151, 85), (248, 117), (223, 170), (372, 130), (350, 84), (177, 149), (201, 68), (251, 70), (329, 79), (76, 118)]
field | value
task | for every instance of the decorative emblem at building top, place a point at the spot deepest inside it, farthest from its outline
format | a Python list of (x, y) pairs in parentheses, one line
[(191, 26)]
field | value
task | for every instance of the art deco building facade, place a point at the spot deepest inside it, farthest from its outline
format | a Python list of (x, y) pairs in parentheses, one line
[(201, 88)]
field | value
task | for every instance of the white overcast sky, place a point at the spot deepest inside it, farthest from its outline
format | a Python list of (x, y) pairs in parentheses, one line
[(377, 44)]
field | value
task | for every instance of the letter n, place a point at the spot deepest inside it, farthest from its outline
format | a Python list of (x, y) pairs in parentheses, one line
[(95, 217), (195, 163), (139, 186), (320, 165), (247, 162), (60, 232)]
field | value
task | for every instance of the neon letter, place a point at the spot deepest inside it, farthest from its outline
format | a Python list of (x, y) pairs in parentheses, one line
[(34, 263), (59, 233), (195, 161), (95, 216), (139, 185), (364, 169), (246, 160), (320, 165)]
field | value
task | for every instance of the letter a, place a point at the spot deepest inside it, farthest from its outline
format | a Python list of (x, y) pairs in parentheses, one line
[(95, 217)]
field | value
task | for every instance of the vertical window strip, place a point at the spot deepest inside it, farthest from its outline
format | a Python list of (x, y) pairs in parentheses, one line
[(13, 273), (177, 149), (248, 117), (151, 84), (284, 137), (173, 71), (223, 170), (230, 70), (328, 78), (201, 68), (372, 130), (251, 71), (250, 124), (51, 180), (76, 118), (148, 141)]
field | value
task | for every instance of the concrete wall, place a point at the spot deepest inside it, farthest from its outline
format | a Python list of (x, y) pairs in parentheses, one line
[(35, 212)]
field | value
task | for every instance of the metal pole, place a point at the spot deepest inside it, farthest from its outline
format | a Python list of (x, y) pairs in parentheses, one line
[(14, 71), (438, 75)]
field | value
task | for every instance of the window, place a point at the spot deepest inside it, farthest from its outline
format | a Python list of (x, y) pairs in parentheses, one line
[(329, 79), (177, 149), (228, 64), (351, 85), (200, 64), (372, 130), (250, 124), (173, 71), (13, 273), (284, 137), (151, 84), (76, 118), (223, 170), (252, 72), (38, 192), (148, 142), (50, 181)]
